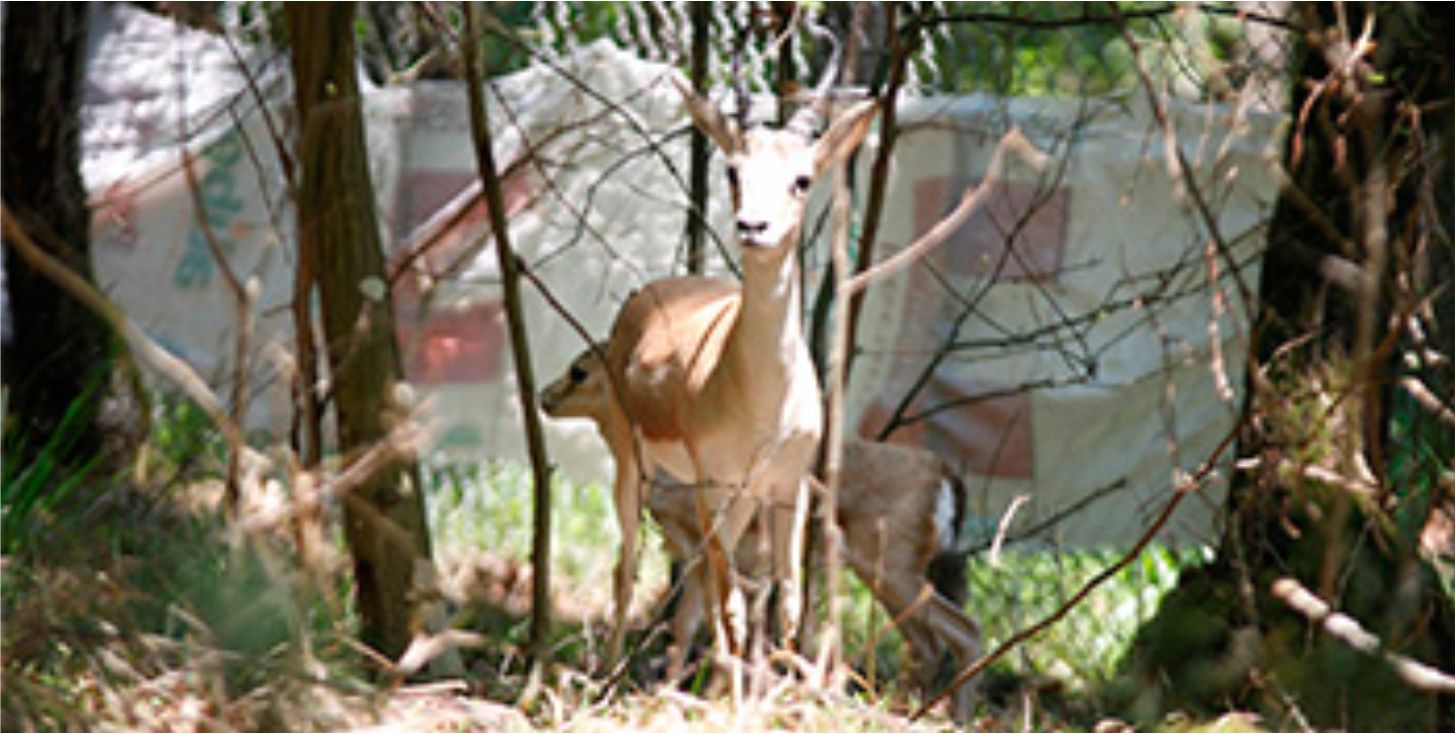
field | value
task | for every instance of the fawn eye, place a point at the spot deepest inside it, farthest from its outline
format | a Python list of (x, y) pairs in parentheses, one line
[(801, 185), (577, 373)]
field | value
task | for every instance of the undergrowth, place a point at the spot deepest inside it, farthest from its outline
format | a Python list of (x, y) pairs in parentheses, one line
[(132, 604), (485, 508)]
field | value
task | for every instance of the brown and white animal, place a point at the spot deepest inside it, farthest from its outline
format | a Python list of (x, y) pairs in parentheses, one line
[(900, 510), (715, 379)]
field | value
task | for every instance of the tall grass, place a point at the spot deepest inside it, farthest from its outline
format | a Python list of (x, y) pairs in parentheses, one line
[(32, 492), (486, 508)]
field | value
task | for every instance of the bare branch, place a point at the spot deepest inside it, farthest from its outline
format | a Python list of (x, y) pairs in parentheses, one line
[(1346, 629), (972, 200), (144, 347), (243, 308)]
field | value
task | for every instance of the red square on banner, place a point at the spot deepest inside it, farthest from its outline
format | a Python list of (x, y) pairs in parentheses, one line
[(1018, 234), (455, 345)]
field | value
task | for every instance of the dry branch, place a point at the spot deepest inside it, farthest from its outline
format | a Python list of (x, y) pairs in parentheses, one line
[(243, 307), (1347, 630), (972, 200), (143, 347)]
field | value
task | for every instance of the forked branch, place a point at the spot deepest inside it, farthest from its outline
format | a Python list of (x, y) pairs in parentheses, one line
[(971, 201)]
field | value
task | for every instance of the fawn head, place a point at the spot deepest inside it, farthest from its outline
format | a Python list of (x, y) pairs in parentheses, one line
[(582, 392)]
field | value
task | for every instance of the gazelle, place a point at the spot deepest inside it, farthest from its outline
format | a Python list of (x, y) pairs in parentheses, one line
[(900, 510), (715, 379)]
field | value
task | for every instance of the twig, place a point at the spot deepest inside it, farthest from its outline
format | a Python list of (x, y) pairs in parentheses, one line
[(971, 200), (1427, 399), (1085, 19), (1056, 518), (1003, 526), (242, 340), (1346, 629), (1179, 169)]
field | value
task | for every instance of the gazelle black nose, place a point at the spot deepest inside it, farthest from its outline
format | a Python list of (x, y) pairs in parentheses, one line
[(749, 229)]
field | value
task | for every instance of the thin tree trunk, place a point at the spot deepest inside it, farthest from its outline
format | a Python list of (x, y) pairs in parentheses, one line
[(384, 518), (899, 53), (698, 167), (520, 349)]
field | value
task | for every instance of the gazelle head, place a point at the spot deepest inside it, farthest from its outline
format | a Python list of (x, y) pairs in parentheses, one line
[(771, 171), (581, 392)]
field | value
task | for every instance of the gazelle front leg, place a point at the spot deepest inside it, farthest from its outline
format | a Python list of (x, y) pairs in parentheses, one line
[(788, 527), (723, 517), (627, 496), (788, 495)]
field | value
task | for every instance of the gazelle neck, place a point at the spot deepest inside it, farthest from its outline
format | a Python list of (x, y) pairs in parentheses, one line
[(767, 337)]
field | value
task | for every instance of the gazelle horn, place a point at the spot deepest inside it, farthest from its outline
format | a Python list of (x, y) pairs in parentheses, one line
[(806, 120)]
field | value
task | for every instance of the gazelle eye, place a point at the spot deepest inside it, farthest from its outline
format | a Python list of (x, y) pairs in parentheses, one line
[(577, 373), (802, 184)]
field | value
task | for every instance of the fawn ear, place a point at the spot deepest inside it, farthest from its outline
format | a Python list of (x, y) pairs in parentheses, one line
[(844, 135), (708, 117)]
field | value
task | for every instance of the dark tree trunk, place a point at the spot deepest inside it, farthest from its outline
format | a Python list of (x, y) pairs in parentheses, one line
[(697, 218), (384, 518), (1356, 253), (58, 350)]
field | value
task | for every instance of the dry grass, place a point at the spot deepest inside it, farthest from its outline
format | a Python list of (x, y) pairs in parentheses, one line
[(140, 610), (151, 616)]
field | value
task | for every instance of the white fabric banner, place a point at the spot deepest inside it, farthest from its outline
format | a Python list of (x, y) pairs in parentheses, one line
[(1092, 317)]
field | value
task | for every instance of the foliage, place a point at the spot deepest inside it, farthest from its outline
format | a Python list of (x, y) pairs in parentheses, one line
[(1007, 48), (32, 495), (1222, 640)]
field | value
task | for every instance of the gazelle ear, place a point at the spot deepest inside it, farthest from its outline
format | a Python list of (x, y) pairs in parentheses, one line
[(707, 116), (844, 135)]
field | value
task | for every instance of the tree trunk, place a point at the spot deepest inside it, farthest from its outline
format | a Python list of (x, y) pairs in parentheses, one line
[(384, 517), (1345, 477), (697, 218), (58, 350)]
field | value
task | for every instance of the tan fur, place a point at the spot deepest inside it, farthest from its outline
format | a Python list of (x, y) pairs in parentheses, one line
[(677, 327), (887, 505), (716, 380), (886, 511)]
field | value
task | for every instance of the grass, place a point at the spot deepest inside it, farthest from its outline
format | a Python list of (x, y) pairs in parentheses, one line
[(152, 615), (487, 508)]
